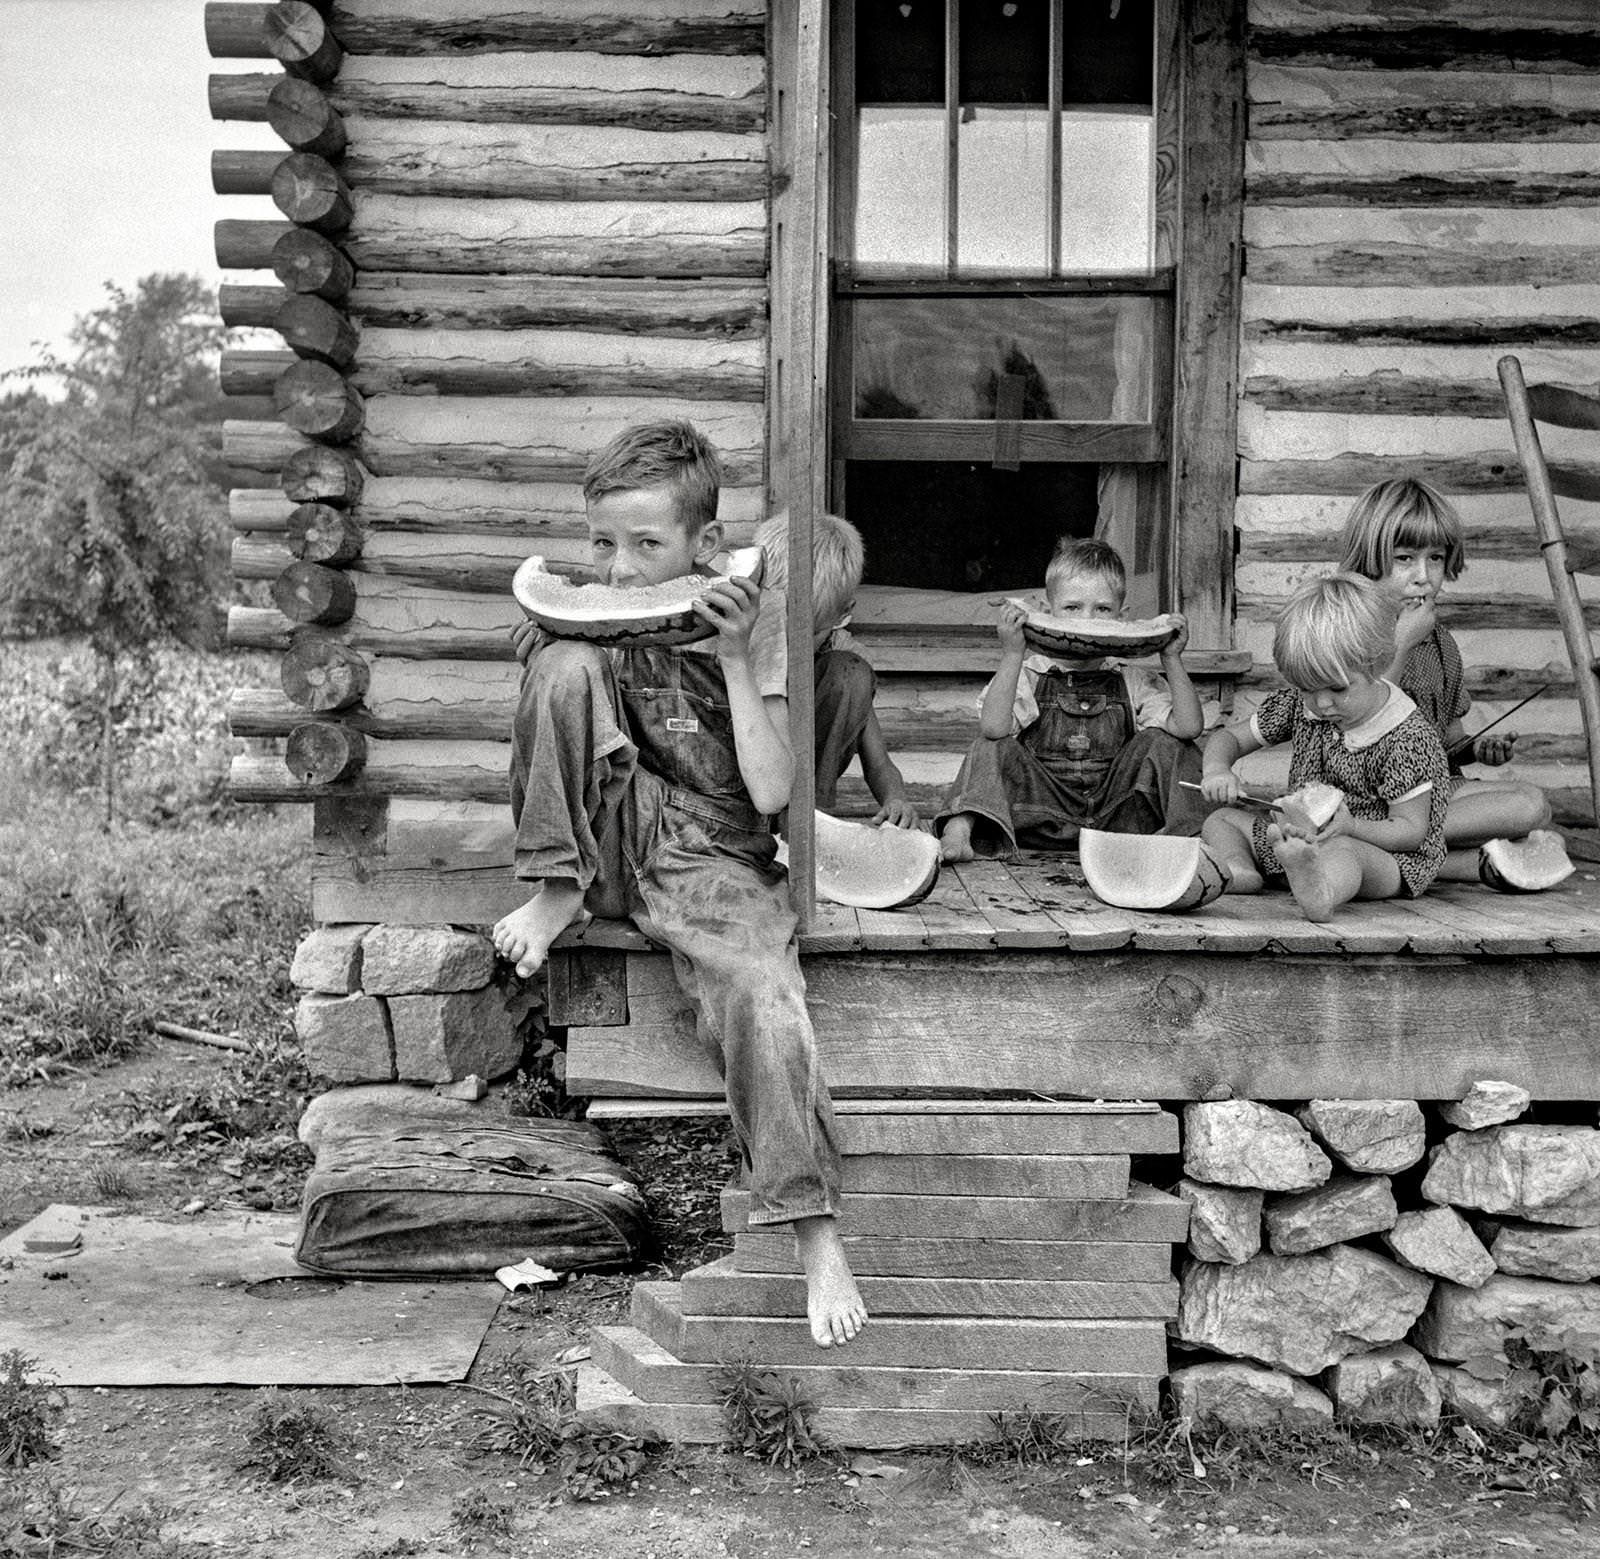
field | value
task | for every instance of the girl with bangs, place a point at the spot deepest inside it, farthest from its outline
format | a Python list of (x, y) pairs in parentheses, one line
[(1407, 537), (1349, 727)]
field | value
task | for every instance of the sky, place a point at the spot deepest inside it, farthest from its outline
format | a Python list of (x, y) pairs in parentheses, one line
[(107, 172)]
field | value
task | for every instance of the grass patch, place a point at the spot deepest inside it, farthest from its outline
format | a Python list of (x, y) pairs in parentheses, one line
[(29, 1406), (766, 1414), (47, 1519), (478, 1516), (289, 1440)]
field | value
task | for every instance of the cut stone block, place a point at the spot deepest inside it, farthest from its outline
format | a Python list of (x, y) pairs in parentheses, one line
[(1566, 1255), (413, 960), (1344, 1209), (329, 960), (366, 1108), (1392, 1386), (440, 1038), (345, 1038), (1237, 1142), (1462, 1324), (1547, 1174), (1486, 1104), (1245, 1396), (1302, 1313), (1373, 1136), (1487, 1404), (1440, 1242), (1224, 1222)]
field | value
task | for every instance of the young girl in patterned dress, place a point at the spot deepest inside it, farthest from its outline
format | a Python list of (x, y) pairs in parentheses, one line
[(1349, 727), (1408, 538)]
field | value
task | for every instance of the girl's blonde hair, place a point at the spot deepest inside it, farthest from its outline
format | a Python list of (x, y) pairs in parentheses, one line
[(1332, 628), (1400, 515), (838, 559)]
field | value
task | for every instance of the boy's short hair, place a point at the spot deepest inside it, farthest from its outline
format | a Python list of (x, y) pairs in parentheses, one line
[(1333, 627), (1400, 514), (838, 560), (1080, 557), (673, 454)]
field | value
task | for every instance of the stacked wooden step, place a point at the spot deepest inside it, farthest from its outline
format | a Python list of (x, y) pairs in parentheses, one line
[(1009, 1263)]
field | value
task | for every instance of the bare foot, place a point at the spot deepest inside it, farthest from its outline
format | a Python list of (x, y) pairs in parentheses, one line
[(833, 1302), (524, 936), (955, 843), (1306, 867)]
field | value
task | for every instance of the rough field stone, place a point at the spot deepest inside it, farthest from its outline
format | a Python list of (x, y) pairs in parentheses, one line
[(361, 1109), (440, 1038), (1486, 1104), (413, 960), (1302, 1313), (329, 960), (1566, 1255), (1439, 1241), (345, 1038), (1486, 1404), (1237, 1142), (1346, 1208), (1391, 1386), (1244, 1396), (1462, 1324), (1373, 1136), (1548, 1174), (1224, 1223)]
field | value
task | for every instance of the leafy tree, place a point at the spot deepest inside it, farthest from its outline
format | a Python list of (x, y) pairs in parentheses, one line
[(111, 524)]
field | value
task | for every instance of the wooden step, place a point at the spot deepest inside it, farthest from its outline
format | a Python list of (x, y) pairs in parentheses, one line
[(940, 1126), (720, 1288), (605, 1404), (653, 1374), (1089, 1261), (1097, 1177), (1098, 1346), (1146, 1216)]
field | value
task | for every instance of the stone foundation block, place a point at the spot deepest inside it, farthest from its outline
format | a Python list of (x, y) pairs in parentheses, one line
[(345, 1038), (329, 960), (414, 960), (1243, 1396), (1566, 1255), (1344, 1209), (1466, 1323), (1440, 1242), (1486, 1104), (440, 1038), (1487, 1404), (1387, 1386), (1372, 1136), (1224, 1223), (1237, 1142), (1546, 1174)]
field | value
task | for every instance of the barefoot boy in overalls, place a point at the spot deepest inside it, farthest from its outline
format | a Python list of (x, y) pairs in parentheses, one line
[(643, 783)]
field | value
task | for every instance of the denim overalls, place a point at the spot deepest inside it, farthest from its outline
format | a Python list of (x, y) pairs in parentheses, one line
[(625, 779)]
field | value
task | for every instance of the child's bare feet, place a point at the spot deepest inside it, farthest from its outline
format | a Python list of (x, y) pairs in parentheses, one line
[(1306, 865), (833, 1302), (955, 843), (524, 936)]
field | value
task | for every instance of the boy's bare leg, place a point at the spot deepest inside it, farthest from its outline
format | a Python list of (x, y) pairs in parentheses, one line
[(1226, 834), (524, 936), (955, 842), (1324, 876), (833, 1302)]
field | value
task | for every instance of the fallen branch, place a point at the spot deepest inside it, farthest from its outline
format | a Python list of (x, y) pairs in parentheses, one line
[(199, 1036)]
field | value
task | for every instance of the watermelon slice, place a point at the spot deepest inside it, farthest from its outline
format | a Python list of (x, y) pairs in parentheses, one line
[(867, 867), (1312, 806), (1149, 871), (1089, 638), (1527, 865)]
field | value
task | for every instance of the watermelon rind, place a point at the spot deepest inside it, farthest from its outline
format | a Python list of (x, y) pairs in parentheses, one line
[(620, 619), (1090, 638), (1528, 865), (868, 866), (1149, 871)]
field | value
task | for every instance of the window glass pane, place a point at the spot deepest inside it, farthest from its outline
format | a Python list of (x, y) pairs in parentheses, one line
[(1003, 51), (900, 159), (900, 51), (1108, 51), (1080, 359), (1107, 192), (1002, 216)]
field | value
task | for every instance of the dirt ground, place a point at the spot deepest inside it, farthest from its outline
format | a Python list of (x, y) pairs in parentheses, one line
[(410, 1456)]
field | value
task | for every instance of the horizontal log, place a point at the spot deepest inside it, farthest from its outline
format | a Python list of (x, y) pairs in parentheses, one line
[(412, 27), (256, 558), (257, 712), (248, 408), (1419, 265), (250, 306), (314, 328), (1466, 612), (1496, 124), (1382, 393), (319, 533), (300, 39), (305, 120), (1279, 14), (243, 172), (313, 473), (1438, 48), (243, 372), (516, 180), (309, 191), (311, 265), (237, 32), (635, 110), (1506, 543), (308, 593), (317, 400), (316, 674), (1494, 471), (1274, 226), (242, 96), (243, 244), (266, 779), (266, 628), (1509, 334), (324, 752), (258, 508), (1524, 188)]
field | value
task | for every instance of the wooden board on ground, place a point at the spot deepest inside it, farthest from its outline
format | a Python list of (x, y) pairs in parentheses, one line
[(1093, 1177), (1040, 1129), (1094, 1260), (719, 1288), (1146, 1216)]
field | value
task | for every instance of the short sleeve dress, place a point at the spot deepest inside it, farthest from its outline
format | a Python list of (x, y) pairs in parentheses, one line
[(1392, 755)]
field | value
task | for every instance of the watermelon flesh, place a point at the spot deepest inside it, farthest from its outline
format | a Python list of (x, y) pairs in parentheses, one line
[(864, 866), (1312, 806), (1527, 865), (1149, 871), (1088, 638)]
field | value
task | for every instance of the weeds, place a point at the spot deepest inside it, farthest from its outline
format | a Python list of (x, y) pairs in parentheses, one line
[(478, 1514), (111, 1183), (766, 1414), (28, 1410), (48, 1520), (292, 1442)]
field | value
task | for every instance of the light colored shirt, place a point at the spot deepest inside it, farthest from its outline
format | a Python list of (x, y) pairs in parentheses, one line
[(1147, 691)]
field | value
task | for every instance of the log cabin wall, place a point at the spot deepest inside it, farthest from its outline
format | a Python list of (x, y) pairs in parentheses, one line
[(1420, 200), (513, 228)]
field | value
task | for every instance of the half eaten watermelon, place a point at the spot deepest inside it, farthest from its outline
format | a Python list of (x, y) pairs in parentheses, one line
[(867, 867), (626, 617), (1088, 638), (1312, 806), (1149, 871), (1525, 865)]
